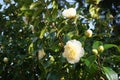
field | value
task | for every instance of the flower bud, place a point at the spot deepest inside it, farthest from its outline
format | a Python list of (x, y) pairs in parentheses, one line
[(100, 49), (5, 60), (69, 13), (95, 51), (88, 33)]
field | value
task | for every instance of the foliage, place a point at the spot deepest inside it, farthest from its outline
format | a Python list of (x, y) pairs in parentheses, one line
[(27, 26)]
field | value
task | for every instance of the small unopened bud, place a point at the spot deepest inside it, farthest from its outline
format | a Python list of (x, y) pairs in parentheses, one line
[(95, 51), (100, 49), (88, 33), (5, 60)]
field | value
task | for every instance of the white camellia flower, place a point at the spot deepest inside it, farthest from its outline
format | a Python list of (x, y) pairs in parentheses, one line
[(69, 13), (73, 51), (41, 54)]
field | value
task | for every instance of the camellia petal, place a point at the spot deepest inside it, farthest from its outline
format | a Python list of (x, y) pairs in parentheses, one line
[(69, 13), (73, 51)]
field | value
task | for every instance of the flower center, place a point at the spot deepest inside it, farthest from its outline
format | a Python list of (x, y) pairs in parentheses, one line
[(72, 54)]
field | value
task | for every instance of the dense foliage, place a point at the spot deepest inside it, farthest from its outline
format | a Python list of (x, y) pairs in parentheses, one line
[(33, 34)]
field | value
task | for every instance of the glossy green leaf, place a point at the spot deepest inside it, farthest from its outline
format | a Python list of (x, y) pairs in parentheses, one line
[(110, 74), (34, 5), (90, 60), (23, 8), (42, 33), (96, 44), (107, 46), (54, 5)]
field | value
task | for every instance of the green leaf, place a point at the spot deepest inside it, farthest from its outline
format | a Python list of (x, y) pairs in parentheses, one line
[(42, 33), (54, 5), (110, 74), (113, 58), (30, 49), (60, 30), (90, 60), (54, 14), (96, 44), (107, 46), (23, 8), (91, 66), (34, 5)]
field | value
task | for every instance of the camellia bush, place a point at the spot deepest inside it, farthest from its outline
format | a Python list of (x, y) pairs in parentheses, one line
[(60, 40)]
